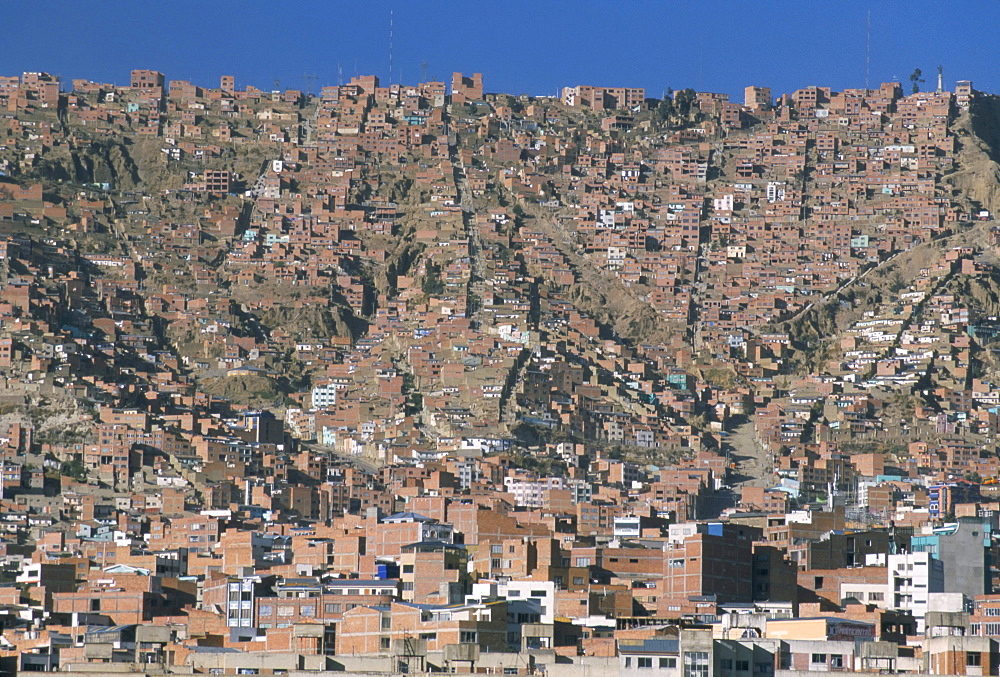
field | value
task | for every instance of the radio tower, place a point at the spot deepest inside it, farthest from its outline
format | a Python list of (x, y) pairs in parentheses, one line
[(868, 47), (940, 79), (390, 46)]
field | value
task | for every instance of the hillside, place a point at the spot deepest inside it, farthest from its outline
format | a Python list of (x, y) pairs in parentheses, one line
[(640, 279)]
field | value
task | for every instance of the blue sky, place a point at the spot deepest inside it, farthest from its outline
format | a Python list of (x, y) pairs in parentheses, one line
[(532, 47)]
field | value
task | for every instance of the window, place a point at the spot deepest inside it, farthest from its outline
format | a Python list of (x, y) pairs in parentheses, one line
[(583, 561), (496, 549), (876, 596), (668, 662), (818, 658), (387, 622), (628, 661), (407, 585), (973, 658), (266, 610), (817, 582), (468, 637), (384, 643), (696, 664), (743, 666), (726, 663), (407, 568), (332, 608), (578, 580), (95, 605), (644, 662), (991, 611), (537, 593), (762, 668), (286, 611), (836, 660), (307, 611)]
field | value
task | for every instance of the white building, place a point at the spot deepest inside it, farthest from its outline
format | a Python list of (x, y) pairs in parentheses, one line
[(531, 493), (912, 577), (324, 395), (628, 527)]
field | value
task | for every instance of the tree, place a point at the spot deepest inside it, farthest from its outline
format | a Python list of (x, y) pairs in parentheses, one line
[(682, 102), (75, 469), (432, 284), (665, 111), (916, 77), (898, 283)]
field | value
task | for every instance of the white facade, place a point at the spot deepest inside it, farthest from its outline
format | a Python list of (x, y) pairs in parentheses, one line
[(531, 493), (912, 577), (627, 527), (542, 593), (324, 396)]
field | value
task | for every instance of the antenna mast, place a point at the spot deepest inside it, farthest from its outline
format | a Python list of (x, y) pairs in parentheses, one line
[(868, 47)]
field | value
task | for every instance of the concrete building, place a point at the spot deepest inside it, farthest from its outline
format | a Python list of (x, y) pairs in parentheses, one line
[(964, 548)]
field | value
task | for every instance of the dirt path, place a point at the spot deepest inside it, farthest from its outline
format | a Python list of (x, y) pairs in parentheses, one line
[(754, 467)]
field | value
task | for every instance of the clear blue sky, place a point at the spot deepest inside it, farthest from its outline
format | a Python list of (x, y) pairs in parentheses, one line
[(532, 47)]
